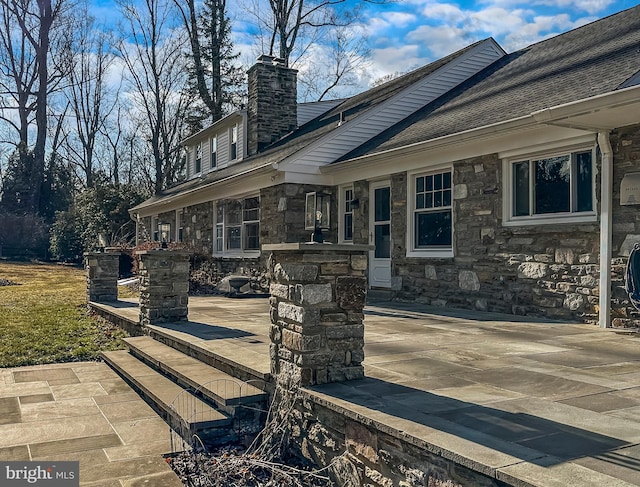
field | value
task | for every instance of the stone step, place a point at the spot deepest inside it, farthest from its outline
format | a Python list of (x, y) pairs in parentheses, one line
[(221, 388), (199, 351), (184, 412)]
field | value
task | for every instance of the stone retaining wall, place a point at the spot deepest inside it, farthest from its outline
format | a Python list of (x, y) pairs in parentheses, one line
[(376, 455)]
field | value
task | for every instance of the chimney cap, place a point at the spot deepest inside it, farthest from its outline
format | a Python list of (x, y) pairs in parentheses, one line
[(266, 59)]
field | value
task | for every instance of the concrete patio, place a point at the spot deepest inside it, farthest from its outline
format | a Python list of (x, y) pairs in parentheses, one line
[(524, 401)]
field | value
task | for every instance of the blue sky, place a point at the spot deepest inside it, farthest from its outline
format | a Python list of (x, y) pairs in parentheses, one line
[(411, 33), (405, 34)]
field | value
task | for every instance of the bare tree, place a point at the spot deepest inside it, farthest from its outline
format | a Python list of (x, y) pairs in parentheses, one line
[(33, 59), (153, 52), (319, 37), (88, 93)]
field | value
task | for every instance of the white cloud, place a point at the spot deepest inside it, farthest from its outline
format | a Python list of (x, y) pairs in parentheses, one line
[(394, 59), (400, 19), (441, 40), (589, 6)]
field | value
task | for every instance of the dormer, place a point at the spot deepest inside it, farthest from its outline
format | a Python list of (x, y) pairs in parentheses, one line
[(217, 146)]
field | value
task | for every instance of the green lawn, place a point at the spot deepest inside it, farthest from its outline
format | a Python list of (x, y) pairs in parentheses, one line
[(43, 319)]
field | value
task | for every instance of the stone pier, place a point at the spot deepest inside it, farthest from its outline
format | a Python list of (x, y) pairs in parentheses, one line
[(102, 276), (318, 293), (164, 286)]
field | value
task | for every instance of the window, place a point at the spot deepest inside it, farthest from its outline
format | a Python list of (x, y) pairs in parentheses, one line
[(219, 227), (198, 161), (432, 214), (179, 231), (155, 230), (547, 188), (233, 148), (347, 214), (238, 225), (214, 152)]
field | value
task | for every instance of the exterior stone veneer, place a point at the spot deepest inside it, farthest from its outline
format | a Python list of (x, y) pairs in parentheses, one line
[(164, 286), (102, 276), (318, 293)]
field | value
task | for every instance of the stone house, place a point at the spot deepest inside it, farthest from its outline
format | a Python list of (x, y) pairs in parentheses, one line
[(484, 180)]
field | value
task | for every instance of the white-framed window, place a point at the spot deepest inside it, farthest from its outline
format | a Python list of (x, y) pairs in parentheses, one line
[(233, 143), (346, 214), (238, 225), (431, 214), (155, 229), (198, 160), (214, 151), (558, 187), (179, 231)]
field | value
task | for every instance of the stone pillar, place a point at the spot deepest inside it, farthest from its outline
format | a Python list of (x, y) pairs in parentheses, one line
[(164, 286), (102, 276), (318, 293)]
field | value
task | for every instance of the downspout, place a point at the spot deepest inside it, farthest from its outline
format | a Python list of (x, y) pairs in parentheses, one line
[(606, 218)]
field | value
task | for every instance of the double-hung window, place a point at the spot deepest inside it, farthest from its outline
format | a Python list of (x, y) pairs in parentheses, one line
[(432, 217), (550, 189), (198, 162), (233, 145), (214, 151), (237, 225), (347, 214)]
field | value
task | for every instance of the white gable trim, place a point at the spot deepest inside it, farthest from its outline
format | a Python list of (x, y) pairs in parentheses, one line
[(354, 133)]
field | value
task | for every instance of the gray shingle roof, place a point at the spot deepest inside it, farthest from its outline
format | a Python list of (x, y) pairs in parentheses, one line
[(591, 60)]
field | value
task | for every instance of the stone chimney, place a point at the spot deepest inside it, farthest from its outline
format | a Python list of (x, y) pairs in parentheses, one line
[(272, 104)]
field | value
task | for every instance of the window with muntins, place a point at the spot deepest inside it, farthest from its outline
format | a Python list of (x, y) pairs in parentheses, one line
[(432, 212), (238, 225), (347, 216), (233, 148), (198, 161), (552, 187), (214, 152)]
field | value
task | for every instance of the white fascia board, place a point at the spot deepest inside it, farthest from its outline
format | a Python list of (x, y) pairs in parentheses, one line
[(525, 135), (249, 181), (591, 113), (372, 122)]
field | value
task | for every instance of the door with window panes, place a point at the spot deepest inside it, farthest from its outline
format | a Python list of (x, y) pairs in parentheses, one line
[(380, 234)]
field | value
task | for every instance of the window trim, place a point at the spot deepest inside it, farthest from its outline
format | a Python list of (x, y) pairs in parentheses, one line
[(197, 148), (213, 154), (509, 220), (233, 130), (412, 251), (241, 252), (342, 201)]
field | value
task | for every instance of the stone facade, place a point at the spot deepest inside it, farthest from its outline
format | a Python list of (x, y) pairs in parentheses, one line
[(102, 276), (282, 213), (544, 270), (197, 227), (164, 286), (272, 102), (318, 293), (371, 453)]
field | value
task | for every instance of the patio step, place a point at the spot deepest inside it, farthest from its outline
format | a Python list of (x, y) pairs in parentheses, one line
[(225, 391), (260, 379), (185, 413)]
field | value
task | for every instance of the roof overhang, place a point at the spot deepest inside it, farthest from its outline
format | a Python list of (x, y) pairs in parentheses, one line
[(595, 114)]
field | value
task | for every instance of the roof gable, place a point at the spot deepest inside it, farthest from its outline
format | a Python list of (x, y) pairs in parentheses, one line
[(594, 59), (364, 116)]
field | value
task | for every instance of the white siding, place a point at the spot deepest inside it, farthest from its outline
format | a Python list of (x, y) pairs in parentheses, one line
[(354, 133)]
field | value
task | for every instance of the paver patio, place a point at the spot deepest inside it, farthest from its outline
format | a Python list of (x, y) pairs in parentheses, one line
[(549, 403)]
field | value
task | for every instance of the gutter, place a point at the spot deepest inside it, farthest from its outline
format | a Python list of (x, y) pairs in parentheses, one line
[(180, 195)]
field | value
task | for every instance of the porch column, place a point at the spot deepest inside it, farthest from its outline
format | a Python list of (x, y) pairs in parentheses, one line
[(318, 293), (164, 286), (102, 276)]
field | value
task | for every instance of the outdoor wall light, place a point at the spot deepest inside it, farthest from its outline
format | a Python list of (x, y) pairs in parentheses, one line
[(317, 214), (355, 204), (164, 229)]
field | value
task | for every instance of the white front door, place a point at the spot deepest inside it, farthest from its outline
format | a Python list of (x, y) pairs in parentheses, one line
[(380, 234)]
